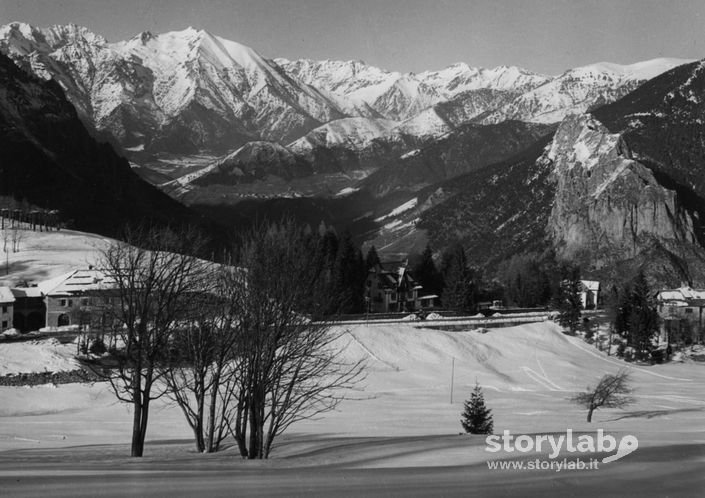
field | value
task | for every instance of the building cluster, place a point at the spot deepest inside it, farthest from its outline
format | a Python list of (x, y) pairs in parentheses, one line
[(74, 298), (79, 298)]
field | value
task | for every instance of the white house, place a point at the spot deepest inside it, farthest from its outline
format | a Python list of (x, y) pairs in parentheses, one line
[(589, 294)]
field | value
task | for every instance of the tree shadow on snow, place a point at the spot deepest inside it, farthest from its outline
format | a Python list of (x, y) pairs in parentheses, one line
[(654, 413)]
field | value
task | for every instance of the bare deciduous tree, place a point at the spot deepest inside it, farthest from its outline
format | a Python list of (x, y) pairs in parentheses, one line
[(151, 279), (17, 237), (203, 370), (613, 391), (290, 363), (5, 236)]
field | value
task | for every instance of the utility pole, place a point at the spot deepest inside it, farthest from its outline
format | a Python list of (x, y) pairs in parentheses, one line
[(452, 377)]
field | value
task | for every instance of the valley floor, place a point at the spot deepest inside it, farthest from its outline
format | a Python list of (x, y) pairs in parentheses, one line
[(399, 435)]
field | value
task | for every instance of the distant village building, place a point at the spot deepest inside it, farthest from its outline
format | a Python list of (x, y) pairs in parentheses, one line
[(391, 287), (681, 311), (590, 294), (75, 298), (7, 301)]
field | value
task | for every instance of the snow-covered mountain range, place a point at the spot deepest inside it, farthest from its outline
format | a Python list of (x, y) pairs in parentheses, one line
[(189, 90), (503, 160)]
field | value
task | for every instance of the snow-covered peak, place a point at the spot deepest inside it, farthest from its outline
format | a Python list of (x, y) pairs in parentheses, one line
[(639, 71), (647, 70), (460, 77), (21, 39), (22, 35), (401, 96), (20, 28), (579, 89), (59, 35)]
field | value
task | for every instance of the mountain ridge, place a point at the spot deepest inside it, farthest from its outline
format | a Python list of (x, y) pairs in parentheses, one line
[(191, 91)]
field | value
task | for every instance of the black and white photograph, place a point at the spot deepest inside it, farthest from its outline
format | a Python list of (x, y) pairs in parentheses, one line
[(355, 248)]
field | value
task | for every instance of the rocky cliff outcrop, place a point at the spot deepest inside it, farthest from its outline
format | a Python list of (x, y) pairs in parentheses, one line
[(608, 206)]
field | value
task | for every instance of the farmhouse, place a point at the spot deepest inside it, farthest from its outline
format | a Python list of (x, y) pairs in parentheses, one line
[(76, 298)]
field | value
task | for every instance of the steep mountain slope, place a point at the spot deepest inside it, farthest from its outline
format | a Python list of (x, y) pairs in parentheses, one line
[(468, 148), (662, 122), (187, 92), (609, 207), (49, 158), (190, 89), (496, 211), (612, 198)]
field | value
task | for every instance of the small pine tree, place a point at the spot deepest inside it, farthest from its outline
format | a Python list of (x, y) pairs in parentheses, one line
[(477, 418)]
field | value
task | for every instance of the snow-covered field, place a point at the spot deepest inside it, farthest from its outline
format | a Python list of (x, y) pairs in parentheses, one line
[(402, 418), (47, 355), (398, 435), (47, 255)]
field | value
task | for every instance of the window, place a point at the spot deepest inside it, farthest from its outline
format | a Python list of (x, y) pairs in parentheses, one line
[(4, 324), (4, 308), (393, 296), (62, 302), (84, 301), (689, 310), (70, 302)]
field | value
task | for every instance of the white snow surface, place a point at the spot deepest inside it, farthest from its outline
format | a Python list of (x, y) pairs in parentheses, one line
[(47, 355), (44, 256), (528, 374), (410, 204)]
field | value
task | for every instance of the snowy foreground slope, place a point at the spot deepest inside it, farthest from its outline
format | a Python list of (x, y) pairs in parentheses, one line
[(397, 437), (528, 373)]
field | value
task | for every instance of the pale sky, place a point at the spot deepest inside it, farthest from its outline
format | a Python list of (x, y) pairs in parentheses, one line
[(546, 36)]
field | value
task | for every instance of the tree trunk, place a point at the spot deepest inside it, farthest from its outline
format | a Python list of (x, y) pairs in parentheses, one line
[(137, 444), (211, 443), (589, 415), (137, 441), (241, 427), (253, 449)]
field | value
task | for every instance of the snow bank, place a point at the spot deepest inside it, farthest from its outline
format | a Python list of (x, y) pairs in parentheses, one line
[(37, 356)]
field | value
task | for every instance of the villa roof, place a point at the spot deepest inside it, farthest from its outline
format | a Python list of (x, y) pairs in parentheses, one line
[(687, 294), (77, 281)]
